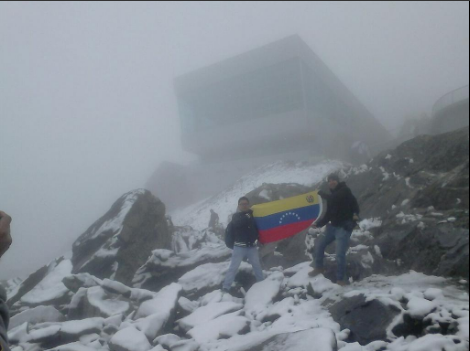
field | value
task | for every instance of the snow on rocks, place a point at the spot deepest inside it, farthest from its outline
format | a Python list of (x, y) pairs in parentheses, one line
[(224, 327), (76, 346), (40, 314), (82, 280), (79, 328), (51, 288), (428, 343), (207, 277), (433, 294), (120, 242), (208, 313), (18, 334), (166, 298), (165, 266), (301, 279), (274, 313), (153, 316), (12, 286), (47, 333), (262, 294), (98, 299), (168, 340), (129, 339), (318, 339)]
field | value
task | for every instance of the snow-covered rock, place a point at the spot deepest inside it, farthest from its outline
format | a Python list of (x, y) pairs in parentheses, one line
[(98, 300), (309, 340), (261, 296), (40, 314), (223, 327), (51, 289), (129, 339), (207, 277), (120, 242), (208, 313), (153, 316), (165, 266)]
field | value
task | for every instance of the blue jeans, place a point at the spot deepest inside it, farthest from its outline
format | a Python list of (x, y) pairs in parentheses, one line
[(240, 253), (343, 238)]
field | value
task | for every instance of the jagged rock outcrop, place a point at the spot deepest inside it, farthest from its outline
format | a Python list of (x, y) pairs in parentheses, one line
[(423, 172), (421, 191), (122, 240)]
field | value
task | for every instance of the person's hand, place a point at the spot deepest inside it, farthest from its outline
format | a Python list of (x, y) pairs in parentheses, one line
[(356, 218), (5, 237), (313, 230)]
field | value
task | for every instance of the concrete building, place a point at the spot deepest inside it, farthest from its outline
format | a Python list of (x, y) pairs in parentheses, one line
[(275, 99), (277, 102)]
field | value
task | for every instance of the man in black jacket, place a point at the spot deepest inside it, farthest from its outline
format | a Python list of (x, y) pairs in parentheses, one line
[(340, 219), (245, 237), (5, 242)]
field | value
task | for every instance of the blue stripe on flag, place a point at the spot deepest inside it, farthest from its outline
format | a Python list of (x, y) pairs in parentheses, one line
[(288, 217)]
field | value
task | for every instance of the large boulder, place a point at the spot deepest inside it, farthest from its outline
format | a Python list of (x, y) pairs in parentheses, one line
[(309, 340), (367, 320), (166, 266), (129, 339), (43, 288), (27, 285), (426, 246), (41, 314), (121, 241)]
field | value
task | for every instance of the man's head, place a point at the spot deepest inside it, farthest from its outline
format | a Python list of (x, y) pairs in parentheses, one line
[(333, 181), (243, 204)]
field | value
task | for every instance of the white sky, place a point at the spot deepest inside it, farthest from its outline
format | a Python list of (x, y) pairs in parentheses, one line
[(87, 109)]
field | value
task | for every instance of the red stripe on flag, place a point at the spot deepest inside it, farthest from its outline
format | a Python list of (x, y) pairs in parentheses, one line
[(283, 232)]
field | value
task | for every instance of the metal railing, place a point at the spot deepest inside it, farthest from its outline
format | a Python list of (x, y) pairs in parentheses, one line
[(455, 96)]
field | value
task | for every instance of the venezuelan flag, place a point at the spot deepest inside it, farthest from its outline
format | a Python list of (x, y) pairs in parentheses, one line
[(285, 218)]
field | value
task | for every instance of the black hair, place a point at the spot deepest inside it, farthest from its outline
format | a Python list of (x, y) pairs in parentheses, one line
[(333, 176), (244, 198)]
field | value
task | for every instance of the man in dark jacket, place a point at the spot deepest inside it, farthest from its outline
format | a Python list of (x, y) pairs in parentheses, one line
[(245, 237), (341, 218), (5, 242)]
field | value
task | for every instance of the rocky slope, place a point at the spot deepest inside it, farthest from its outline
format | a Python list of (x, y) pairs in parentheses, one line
[(136, 282)]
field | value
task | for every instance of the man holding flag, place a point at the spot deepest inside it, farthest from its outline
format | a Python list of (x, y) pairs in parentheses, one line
[(244, 235), (341, 218)]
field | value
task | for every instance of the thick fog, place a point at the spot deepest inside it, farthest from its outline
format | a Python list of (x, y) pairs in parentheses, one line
[(87, 105)]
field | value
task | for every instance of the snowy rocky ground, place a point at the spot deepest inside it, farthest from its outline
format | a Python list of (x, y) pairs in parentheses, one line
[(173, 302), (288, 311)]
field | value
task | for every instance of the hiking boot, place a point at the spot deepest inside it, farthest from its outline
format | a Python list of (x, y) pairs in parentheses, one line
[(342, 283), (316, 272)]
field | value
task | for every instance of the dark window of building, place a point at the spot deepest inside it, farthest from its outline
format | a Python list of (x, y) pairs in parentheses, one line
[(265, 92)]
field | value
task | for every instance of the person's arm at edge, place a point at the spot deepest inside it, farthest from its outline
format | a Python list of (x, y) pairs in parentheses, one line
[(5, 237)]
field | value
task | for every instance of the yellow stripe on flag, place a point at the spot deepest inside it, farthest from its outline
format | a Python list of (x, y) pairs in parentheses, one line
[(284, 205)]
